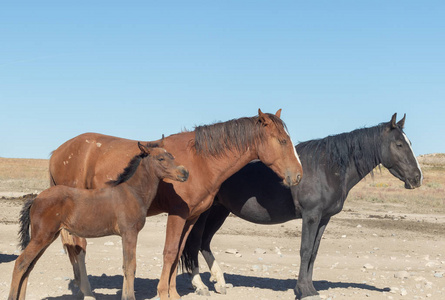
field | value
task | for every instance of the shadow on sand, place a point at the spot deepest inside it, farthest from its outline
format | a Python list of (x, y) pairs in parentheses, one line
[(286, 284), (146, 288), (5, 258)]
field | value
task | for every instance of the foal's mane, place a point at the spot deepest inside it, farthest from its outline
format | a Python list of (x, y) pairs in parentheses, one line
[(242, 133), (361, 146), (132, 166)]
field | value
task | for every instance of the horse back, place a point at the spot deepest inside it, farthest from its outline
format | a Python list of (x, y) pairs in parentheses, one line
[(90, 160)]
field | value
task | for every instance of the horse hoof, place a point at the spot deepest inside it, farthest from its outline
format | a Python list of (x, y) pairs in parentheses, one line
[(89, 298), (314, 297), (220, 289), (202, 292)]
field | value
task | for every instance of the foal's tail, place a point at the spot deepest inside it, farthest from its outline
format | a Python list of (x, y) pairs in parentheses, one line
[(25, 221)]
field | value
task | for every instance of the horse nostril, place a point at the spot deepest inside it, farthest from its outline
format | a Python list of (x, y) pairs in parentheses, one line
[(288, 179), (419, 179), (185, 174)]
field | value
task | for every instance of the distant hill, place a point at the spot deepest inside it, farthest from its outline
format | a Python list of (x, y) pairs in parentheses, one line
[(22, 175), (432, 160)]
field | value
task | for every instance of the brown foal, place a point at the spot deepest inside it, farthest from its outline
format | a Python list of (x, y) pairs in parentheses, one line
[(120, 209)]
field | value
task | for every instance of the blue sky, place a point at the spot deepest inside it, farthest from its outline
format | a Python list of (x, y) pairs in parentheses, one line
[(139, 69)]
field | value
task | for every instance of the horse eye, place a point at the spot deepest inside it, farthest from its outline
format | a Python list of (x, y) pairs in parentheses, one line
[(400, 145), (161, 159), (282, 142)]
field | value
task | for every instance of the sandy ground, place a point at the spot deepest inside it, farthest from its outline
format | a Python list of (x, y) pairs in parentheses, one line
[(366, 253)]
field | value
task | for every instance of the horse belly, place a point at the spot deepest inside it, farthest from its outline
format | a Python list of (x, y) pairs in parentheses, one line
[(90, 213), (271, 212), (256, 194), (90, 226)]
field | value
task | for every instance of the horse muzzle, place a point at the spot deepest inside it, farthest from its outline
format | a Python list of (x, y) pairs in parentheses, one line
[(290, 180), (412, 183), (184, 174)]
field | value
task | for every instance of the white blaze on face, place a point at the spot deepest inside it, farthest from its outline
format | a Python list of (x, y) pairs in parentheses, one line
[(293, 146), (418, 166)]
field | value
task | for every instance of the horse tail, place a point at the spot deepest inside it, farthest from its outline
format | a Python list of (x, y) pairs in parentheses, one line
[(52, 181), (189, 256), (25, 222), (186, 260)]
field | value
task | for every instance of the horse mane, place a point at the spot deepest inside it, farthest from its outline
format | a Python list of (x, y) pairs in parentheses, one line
[(242, 133), (129, 170), (361, 146)]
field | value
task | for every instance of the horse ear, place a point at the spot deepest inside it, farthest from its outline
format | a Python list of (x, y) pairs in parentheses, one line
[(401, 123), (278, 113), (263, 118), (161, 143), (145, 151), (393, 121)]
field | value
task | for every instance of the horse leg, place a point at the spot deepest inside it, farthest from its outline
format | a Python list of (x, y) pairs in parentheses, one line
[(129, 241), (321, 229), (190, 254), (175, 226), (187, 228), (20, 273), (25, 263), (25, 278), (304, 288), (218, 214), (76, 249)]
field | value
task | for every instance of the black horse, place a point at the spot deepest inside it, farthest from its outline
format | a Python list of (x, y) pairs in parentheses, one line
[(332, 166)]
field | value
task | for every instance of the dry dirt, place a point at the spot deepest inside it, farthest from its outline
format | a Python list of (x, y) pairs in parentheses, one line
[(388, 243)]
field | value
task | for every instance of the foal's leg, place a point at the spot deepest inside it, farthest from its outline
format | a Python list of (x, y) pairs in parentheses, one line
[(25, 263), (304, 288), (26, 276), (129, 241), (218, 214)]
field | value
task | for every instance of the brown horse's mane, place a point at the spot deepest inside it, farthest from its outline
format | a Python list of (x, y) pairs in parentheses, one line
[(240, 133), (129, 170)]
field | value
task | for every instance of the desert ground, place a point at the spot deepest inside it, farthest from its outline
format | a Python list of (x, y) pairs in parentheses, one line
[(387, 243)]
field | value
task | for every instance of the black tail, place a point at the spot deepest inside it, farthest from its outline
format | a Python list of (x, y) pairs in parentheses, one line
[(25, 221), (186, 261), (189, 257)]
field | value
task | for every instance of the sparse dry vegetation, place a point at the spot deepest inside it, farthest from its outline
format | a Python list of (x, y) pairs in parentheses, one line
[(389, 191), (23, 175)]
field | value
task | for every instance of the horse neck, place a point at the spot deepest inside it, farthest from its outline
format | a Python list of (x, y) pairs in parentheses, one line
[(361, 165), (217, 168), (143, 184), (229, 163)]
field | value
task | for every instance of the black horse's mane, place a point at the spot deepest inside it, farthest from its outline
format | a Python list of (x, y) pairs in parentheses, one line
[(129, 170), (240, 133), (361, 146)]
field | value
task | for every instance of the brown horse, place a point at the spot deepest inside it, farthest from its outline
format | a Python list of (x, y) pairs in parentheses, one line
[(117, 210), (212, 154)]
